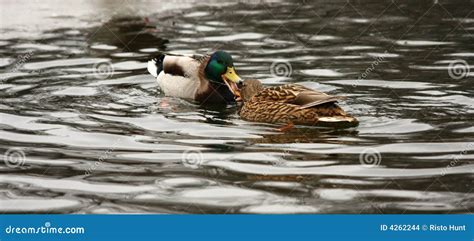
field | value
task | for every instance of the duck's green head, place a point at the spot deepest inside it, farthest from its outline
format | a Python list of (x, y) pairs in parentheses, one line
[(220, 69)]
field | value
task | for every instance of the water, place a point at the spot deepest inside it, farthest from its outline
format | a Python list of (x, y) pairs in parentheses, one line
[(100, 138)]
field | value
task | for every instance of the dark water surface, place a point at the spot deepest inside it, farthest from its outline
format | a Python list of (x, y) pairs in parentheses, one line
[(98, 136)]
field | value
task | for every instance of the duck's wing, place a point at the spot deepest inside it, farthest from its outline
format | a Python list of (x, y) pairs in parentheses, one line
[(312, 98), (179, 76), (296, 94), (283, 93), (176, 65)]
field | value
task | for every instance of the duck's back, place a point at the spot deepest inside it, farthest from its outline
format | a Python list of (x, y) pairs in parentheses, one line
[(277, 112), (296, 104), (177, 76)]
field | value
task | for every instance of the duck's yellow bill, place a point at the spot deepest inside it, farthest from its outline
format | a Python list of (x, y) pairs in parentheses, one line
[(231, 79), (231, 75)]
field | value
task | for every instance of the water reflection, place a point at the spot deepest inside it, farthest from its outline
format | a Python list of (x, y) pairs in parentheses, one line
[(112, 143)]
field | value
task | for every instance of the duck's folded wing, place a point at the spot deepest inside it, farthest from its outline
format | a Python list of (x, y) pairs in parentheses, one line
[(283, 93), (177, 65), (311, 98), (180, 66), (297, 95)]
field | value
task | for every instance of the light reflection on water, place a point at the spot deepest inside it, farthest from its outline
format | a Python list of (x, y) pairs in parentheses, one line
[(110, 142)]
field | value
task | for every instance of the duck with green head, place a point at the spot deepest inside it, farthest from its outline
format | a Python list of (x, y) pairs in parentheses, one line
[(205, 79)]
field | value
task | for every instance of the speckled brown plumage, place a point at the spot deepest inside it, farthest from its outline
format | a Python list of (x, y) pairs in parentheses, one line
[(291, 103)]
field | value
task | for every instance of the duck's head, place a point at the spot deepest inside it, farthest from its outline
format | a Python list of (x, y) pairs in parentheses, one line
[(220, 69), (250, 87)]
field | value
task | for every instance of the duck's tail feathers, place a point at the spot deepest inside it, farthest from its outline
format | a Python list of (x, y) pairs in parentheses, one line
[(338, 121), (155, 65)]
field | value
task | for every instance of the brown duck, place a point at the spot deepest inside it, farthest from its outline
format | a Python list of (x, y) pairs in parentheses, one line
[(292, 104)]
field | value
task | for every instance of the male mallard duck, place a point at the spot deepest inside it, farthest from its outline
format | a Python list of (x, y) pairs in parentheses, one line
[(292, 104), (206, 79)]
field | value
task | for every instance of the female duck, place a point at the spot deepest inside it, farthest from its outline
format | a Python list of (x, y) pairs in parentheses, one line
[(292, 104), (205, 79)]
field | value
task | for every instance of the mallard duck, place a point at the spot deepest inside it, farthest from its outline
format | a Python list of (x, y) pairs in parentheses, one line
[(205, 79), (291, 104)]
